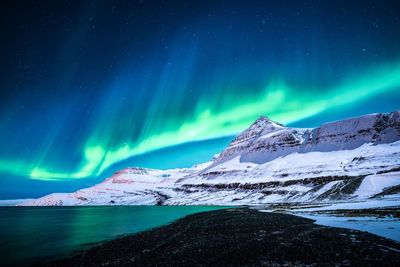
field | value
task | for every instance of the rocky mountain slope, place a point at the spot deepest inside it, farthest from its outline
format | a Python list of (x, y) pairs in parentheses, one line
[(352, 159)]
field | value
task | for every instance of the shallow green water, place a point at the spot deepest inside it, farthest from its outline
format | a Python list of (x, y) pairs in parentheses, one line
[(28, 233)]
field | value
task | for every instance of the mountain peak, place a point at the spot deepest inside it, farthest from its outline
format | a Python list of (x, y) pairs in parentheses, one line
[(263, 117), (263, 125), (264, 121), (266, 140)]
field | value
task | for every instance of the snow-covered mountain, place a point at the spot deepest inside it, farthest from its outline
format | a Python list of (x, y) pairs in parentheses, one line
[(357, 158)]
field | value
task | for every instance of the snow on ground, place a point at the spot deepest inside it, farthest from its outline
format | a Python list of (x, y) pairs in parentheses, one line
[(353, 205), (140, 186), (374, 184), (357, 161), (233, 164), (322, 190), (269, 135), (364, 160), (202, 166), (386, 227)]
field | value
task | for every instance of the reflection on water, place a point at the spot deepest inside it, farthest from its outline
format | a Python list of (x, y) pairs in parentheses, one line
[(27, 233)]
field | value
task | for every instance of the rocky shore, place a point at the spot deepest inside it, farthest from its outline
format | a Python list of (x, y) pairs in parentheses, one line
[(241, 237)]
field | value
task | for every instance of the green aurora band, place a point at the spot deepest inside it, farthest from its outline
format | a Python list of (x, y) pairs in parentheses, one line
[(278, 100)]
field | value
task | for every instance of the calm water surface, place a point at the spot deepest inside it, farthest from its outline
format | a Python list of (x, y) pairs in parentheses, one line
[(30, 233)]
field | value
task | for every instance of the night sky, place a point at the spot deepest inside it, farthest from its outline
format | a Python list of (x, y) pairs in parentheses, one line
[(90, 87)]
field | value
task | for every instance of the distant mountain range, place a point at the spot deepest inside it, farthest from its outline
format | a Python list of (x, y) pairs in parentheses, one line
[(352, 159)]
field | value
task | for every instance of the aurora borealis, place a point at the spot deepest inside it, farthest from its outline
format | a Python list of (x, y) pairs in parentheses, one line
[(91, 87)]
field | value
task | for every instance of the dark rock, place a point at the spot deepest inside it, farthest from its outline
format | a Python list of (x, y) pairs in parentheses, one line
[(242, 237)]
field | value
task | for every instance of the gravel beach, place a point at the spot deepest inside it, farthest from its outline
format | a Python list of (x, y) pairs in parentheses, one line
[(241, 237)]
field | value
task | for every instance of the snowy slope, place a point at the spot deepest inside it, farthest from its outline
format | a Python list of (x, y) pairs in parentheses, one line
[(138, 186), (353, 159)]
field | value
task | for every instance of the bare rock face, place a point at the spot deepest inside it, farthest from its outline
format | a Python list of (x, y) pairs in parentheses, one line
[(266, 140)]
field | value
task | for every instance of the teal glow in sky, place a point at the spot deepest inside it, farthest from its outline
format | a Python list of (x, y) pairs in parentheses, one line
[(281, 102), (88, 89)]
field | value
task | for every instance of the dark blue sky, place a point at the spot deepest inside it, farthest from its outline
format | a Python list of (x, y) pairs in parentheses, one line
[(88, 87)]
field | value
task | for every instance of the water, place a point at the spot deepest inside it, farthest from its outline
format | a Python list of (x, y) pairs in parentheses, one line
[(388, 227), (30, 233)]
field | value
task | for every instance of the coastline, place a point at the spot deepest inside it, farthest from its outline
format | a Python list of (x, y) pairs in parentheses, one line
[(31, 235), (241, 236)]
